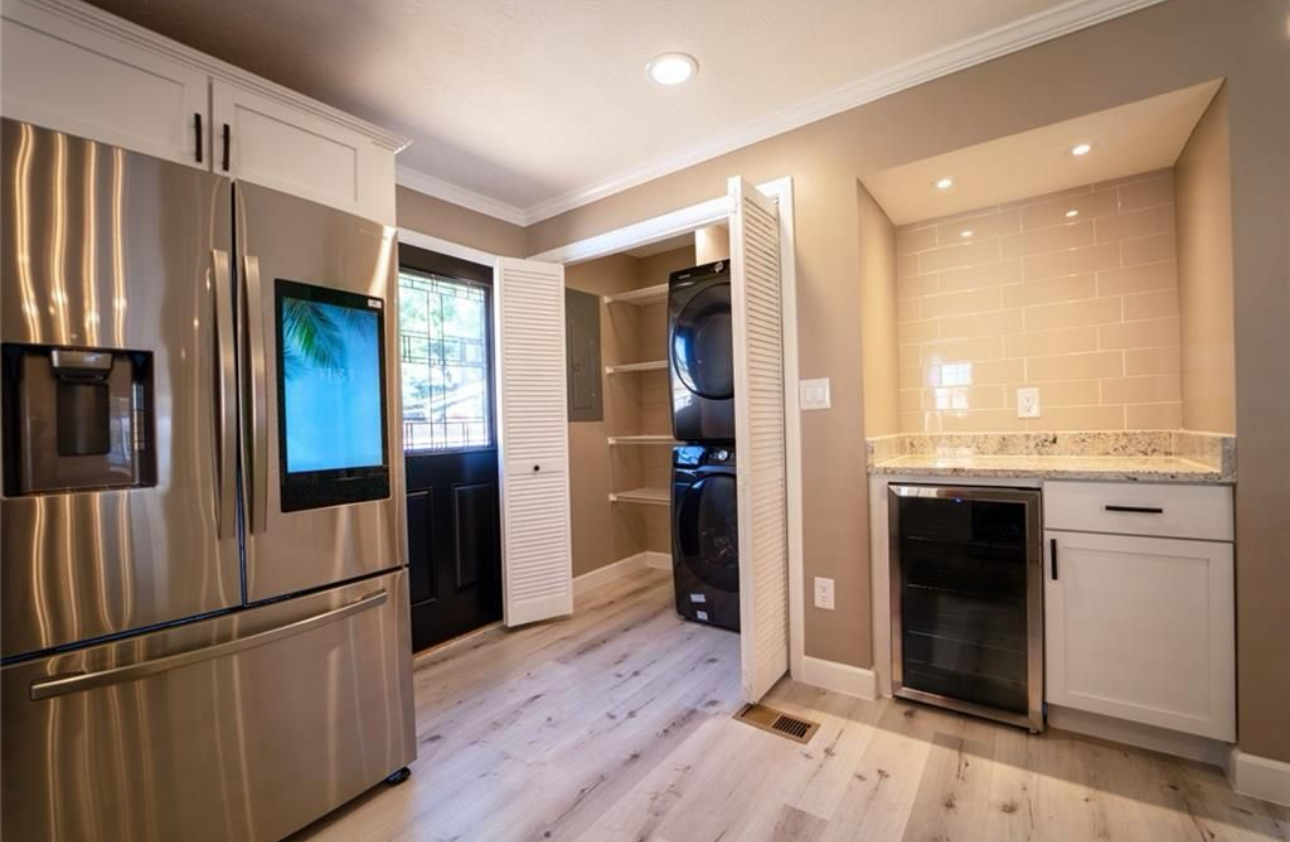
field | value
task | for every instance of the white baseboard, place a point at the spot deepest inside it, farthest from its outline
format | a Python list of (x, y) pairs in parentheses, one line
[(1260, 777), (657, 560), (1176, 743), (840, 678), (618, 569)]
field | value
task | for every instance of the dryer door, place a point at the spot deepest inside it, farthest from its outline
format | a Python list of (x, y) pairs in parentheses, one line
[(707, 533), (701, 345)]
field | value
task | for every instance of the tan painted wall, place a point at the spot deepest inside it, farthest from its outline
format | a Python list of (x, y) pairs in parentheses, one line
[(711, 244), (634, 403), (599, 535), (437, 218), (1158, 49), (878, 316), (1204, 181), (1083, 308)]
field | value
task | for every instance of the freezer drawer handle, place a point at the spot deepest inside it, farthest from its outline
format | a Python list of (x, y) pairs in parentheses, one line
[(63, 685)]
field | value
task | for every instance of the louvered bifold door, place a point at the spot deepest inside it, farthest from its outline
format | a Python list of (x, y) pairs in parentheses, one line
[(537, 567), (759, 437)]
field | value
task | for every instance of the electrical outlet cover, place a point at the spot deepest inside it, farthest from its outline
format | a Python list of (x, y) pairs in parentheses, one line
[(1028, 402), (823, 593)]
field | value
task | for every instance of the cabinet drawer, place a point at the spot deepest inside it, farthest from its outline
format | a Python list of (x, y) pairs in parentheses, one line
[(1170, 511)]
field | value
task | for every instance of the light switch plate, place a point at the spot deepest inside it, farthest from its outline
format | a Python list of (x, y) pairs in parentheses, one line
[(823, 593), (814, 394), (1028, 402)]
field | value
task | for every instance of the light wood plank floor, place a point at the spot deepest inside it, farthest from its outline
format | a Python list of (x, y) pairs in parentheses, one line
[(614, 726)]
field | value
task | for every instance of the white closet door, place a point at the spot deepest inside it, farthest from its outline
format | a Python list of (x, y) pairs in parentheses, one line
[(757, 306), (533, 454)]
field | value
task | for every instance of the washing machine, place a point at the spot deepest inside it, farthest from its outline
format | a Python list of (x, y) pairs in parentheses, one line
[(705, 534), (701, 353)]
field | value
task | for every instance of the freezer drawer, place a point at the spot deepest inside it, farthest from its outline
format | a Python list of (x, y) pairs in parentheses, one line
[(239, 729)]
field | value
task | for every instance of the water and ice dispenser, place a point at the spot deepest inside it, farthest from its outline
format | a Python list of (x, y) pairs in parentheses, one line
[(77, 419)]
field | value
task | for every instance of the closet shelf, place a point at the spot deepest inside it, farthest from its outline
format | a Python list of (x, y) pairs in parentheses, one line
[(644, 496), (662, 438), (644, 295), (656, 365)]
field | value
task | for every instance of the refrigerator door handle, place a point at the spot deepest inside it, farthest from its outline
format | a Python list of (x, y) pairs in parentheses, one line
[(226, 420), (259, 468), (62, 685)]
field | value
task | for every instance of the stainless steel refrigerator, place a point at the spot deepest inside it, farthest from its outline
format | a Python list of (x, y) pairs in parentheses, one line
[(205, 612)]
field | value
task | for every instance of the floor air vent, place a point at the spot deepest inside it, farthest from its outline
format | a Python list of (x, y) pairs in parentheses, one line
[(777, 722)]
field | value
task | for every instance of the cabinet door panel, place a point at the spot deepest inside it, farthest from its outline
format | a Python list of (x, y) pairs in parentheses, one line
[(1142, 629), (100, 88), (287, 149)]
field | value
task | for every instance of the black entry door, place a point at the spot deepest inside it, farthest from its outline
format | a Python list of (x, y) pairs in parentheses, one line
[(445, 342)]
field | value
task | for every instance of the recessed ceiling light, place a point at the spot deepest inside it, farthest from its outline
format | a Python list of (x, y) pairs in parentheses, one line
[(672, 68), (1081, 149), (965, 233), (944, 183), (1072, 213)]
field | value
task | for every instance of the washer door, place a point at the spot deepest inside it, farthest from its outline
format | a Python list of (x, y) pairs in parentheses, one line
[(703, 344), (707, 531)]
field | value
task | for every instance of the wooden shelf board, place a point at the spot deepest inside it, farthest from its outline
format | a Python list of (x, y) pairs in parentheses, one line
[(664, 438), (655, 365), (644, 496), (644, 295)]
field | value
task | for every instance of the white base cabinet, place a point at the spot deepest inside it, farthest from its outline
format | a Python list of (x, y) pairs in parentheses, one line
[(1142, 628)]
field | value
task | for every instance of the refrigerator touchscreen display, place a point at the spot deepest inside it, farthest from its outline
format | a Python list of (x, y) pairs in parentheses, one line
[(332, 396)]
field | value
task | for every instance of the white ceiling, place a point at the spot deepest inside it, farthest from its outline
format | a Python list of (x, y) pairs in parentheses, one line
[(1138, 137), (527, 107)]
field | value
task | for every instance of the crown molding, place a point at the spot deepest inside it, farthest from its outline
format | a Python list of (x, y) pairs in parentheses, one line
[(449, 192), (1009, 38), (93, 18)]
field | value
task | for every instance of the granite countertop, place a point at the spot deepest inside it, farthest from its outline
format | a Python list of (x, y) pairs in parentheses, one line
[(1135, 456), (1110, 468)]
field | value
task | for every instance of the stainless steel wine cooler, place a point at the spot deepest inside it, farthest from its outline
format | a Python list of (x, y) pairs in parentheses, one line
[(967, 600)]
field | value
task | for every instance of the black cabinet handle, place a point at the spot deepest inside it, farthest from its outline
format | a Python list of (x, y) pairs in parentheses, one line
[(227, 133), (1136, 510), (1052, 548), (537, 468), (197, 131)]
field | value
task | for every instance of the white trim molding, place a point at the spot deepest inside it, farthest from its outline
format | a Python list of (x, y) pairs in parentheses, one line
[(441, 246), (618, 569), (1012, 37), (460, 196), (658, 561), (838, 677), (1261, 777), (643, 233)]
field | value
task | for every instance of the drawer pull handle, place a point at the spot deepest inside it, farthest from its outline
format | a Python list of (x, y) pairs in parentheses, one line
[(1052, 545), (1136, 510)]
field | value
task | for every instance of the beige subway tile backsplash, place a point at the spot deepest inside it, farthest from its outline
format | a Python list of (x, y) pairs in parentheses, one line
[(1071, 261), (1074, 293)]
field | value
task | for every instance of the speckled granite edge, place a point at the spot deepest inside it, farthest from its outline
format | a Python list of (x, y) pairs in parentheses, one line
[(1177, 454)]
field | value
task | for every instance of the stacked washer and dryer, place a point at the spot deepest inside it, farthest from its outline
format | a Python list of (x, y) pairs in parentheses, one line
[(705, 534)]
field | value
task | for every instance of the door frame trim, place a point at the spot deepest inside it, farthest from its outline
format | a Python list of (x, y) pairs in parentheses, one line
[(686, 220), (431, 243)]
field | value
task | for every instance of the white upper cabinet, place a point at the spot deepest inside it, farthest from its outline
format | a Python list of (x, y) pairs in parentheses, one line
[(275, 145), (74, 68), (62, 75)]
